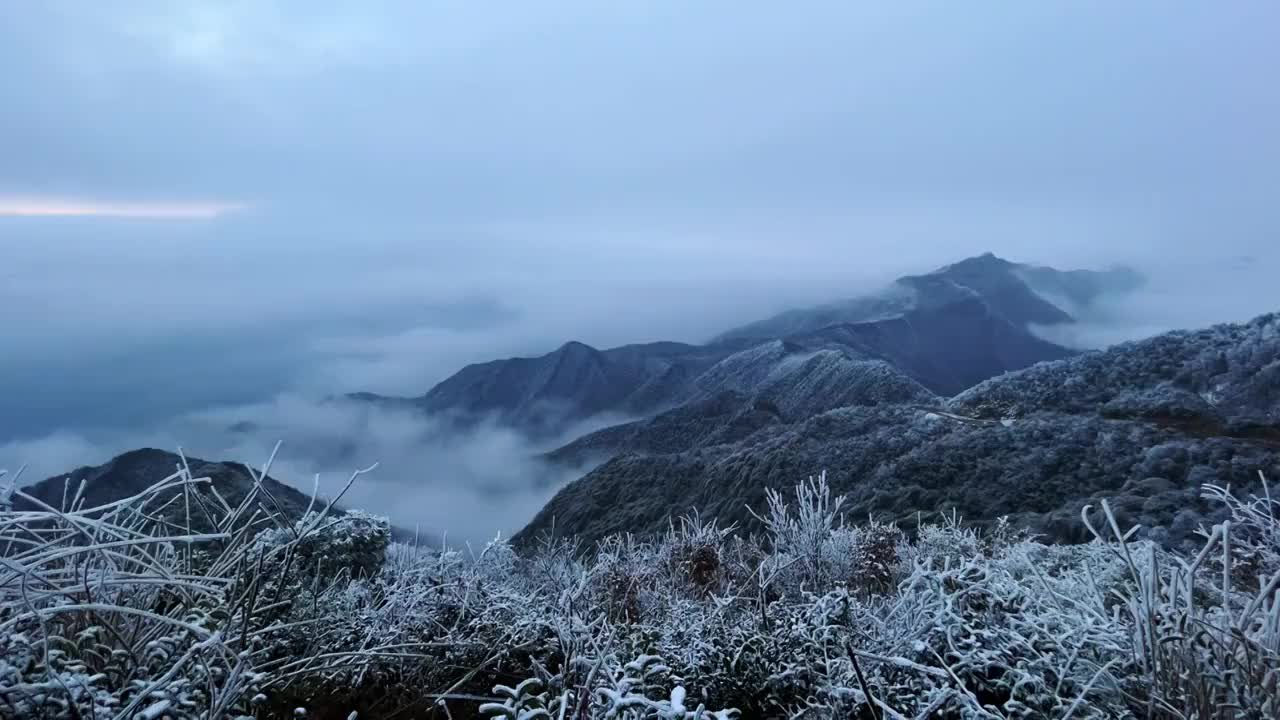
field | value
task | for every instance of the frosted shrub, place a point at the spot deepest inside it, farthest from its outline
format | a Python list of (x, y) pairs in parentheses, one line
[(625, 578), (866, 558), (554, 571), (496, 561), (108, 611), (946, 542), (351, 545), (1203, 640), (695, 555), (632, 692), (803, 534), (105, 612)]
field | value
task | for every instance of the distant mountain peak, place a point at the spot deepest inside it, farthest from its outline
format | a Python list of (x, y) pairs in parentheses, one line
[(987, 260), (1021, 293), (576, 346), (146, 454)]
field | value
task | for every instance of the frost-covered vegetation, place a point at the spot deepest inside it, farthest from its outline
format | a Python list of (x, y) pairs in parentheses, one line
[(1221, 375), (113, 612)]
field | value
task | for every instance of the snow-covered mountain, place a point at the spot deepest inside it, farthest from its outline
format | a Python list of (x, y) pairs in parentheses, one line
[(946, 330), (1144, 423)]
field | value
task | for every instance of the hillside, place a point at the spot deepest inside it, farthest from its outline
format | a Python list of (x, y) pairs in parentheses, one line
[(1035, 445), (770, 386), (945, 347), (1226, 375)]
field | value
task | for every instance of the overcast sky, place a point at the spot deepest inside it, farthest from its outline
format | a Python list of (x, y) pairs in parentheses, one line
[(212, 203)]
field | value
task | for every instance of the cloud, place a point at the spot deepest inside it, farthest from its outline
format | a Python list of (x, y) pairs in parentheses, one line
[(1196, 289), (70, 207), (47, 456), (470, 484), (569, 108)]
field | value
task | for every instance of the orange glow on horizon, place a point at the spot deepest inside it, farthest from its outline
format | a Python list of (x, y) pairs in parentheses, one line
[(68, 207)]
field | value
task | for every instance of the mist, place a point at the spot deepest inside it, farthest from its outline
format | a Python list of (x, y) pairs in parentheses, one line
[(1197, 289), (463, 486), (213, 212)]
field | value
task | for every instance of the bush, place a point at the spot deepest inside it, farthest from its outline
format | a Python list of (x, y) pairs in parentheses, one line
[(105, 613)]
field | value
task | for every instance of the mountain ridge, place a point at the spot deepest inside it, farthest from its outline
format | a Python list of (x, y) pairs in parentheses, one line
[(1036, 444), (921, 324)]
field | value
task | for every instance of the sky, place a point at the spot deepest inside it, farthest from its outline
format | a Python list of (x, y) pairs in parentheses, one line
[(235, 206)]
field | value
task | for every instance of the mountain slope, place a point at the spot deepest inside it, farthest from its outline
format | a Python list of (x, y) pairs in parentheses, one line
[(1227, 373), (792, 385), (1074, 440), (946, 347)]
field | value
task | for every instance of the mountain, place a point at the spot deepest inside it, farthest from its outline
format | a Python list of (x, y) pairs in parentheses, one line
[(1144, 423), (946, 330), (1018, 292), (133, 472), (543, 395)]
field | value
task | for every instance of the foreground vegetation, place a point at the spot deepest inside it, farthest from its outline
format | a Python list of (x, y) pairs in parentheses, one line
[(118, 612)]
